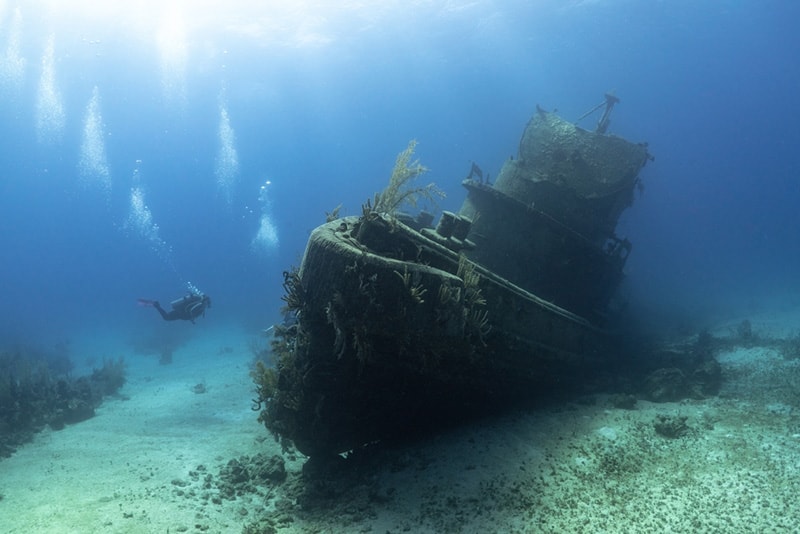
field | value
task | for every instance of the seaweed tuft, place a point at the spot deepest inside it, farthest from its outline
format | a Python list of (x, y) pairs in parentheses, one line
[(399, 190)]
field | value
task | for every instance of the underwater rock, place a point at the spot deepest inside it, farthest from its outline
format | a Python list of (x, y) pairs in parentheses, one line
[(242, 475), (682, 372), (671, 426), (623, 401), (705, 380), (667, 384)]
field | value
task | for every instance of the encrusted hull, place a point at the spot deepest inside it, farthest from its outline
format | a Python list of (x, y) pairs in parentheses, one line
[(399, 327), (386, 344)]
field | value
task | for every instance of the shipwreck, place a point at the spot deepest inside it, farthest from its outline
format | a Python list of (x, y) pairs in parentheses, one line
[(395, 325)]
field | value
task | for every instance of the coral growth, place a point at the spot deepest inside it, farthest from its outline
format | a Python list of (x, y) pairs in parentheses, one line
[(33, 396), (266, 381), (110, 377), (399, 190), (265, 374)]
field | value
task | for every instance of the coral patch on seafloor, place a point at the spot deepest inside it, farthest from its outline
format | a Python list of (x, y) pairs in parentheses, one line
[(34, 395)]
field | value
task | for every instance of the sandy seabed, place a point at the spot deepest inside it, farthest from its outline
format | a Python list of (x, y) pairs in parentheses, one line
[(138, 466)]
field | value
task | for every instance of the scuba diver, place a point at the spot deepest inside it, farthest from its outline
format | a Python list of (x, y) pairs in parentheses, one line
[(187, 308)]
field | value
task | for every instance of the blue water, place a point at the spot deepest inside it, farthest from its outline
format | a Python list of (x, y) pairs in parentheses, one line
[(144, 147)]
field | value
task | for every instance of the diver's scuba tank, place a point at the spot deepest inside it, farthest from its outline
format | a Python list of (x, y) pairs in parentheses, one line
[(177, 302)]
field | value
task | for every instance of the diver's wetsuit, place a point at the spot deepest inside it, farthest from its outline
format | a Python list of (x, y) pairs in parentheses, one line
[(187, 308)]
